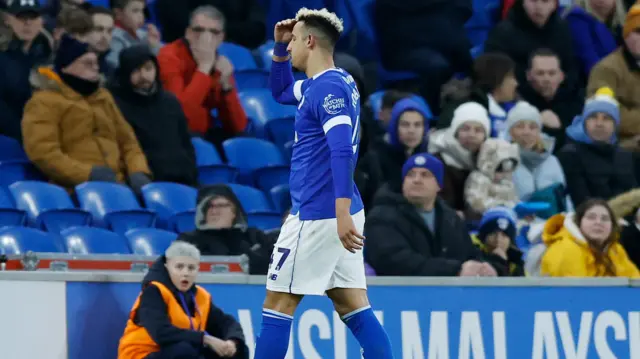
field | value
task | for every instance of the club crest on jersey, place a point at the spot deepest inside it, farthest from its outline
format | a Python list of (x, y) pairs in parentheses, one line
[(333, 104)]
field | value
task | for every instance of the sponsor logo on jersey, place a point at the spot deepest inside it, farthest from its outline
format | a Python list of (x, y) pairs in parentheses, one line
[(333, 104)]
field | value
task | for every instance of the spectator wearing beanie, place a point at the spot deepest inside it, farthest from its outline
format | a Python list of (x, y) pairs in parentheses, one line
[(415, 233), (621, 72), (156, 117), (457, 147), (494, 87), (491, 184), (539, 170), (407, 135), (595, 166), (497, 234), (74, 131)]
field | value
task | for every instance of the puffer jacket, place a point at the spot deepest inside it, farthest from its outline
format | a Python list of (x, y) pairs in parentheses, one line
[(458, 164), (66, 134), (569, 255), (481, 190)]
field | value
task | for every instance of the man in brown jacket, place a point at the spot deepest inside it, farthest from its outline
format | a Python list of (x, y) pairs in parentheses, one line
[(621, 72), (72, 127)]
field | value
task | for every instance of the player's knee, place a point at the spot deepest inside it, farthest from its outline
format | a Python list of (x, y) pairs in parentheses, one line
[(348, 300), (285, 303)]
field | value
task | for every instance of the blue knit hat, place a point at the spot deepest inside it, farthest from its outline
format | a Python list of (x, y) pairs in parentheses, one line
[(496, 219), (402, 106), (603, 101), (69, 50), (428, 162)]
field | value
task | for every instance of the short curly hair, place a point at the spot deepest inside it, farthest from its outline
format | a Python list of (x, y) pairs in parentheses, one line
[(322, 23)]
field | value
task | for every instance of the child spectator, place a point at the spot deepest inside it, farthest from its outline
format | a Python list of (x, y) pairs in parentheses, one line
[(497, 235), (594, 165), (491, 184), (539, 171), (129, 17), (457, 147), (585, 244)]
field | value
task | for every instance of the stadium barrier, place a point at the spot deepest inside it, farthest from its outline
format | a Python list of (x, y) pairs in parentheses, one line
[(74, 315)]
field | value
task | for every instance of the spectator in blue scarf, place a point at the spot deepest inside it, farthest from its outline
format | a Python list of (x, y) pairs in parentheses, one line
[(593, 162)]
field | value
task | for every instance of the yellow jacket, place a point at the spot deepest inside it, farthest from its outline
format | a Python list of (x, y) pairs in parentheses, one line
[(65, 134), (568, 254)]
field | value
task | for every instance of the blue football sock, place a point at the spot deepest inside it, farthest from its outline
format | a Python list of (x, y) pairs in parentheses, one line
[(273, 341), (370, 334)]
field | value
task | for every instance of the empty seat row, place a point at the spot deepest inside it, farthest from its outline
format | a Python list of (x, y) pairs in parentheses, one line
[(115, 207), (85, 240), (251, 161)]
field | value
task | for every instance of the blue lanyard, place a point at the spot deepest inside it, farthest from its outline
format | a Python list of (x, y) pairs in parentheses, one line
[(186, 309)]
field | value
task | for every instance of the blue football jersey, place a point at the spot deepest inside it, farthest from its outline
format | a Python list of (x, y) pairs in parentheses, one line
[(325, 150)]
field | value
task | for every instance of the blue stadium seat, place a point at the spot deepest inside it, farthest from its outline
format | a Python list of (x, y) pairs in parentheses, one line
[(287, 151), (18, 170), (9, 215), (281, 198), (174, 203), (264, 221), (252, 79), (211, 169), (19, 240), (265, 53), (89, 240), (113, 206), (10, 149), (253, 200), (150, 241), (48, 206), (280, 131), (240, 56), (266, 167), (261, 107)]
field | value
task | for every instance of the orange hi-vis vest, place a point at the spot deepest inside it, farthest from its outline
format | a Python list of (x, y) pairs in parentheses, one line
[(136, 343)]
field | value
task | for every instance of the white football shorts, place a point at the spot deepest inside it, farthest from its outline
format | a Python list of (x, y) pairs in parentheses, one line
[(309, 259)]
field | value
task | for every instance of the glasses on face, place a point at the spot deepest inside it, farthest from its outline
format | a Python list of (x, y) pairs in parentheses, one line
[(200, 30)]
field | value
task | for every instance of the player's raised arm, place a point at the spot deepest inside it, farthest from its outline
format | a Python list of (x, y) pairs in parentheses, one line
[(283, 87)]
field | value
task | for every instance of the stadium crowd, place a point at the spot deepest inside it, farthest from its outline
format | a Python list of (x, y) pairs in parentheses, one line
[(508, 147)]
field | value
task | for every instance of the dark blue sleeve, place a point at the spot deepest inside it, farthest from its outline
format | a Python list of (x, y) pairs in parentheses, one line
[(333, 107), (223, 325), (152, 315), (283, 87), (584, 46)]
